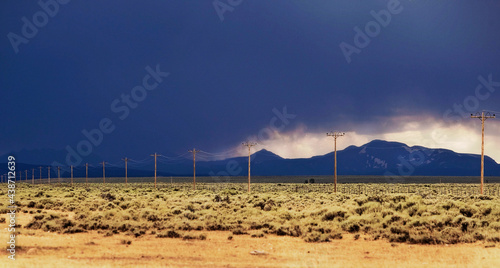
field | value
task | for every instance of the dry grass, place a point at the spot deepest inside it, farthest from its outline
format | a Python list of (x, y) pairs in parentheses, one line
[(315, 217)]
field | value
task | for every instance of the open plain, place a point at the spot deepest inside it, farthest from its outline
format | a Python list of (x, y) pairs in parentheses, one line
[(136, 225)]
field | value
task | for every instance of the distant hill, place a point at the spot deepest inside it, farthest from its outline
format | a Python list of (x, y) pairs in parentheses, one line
[(377, 157)]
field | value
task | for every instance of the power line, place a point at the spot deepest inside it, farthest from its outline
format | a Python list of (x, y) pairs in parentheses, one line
[(483, 116), (335, 135), (222, 154), (176, 158), (141, 161), (491, 111)]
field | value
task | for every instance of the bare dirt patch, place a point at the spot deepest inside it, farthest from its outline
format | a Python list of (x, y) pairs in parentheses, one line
[(95, 250)]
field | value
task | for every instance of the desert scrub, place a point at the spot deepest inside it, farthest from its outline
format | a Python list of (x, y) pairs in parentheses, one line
[(338, 214), (321, 237), (258, 235), (169, 234), (194, 237), (314, 216)]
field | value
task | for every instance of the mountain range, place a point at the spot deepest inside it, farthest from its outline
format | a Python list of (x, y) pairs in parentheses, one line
[(377, 157)]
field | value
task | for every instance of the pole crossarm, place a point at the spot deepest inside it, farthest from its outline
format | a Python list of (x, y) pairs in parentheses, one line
[(482, 115)]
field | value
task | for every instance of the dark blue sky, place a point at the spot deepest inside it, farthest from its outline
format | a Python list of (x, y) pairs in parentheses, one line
[(226, 76)]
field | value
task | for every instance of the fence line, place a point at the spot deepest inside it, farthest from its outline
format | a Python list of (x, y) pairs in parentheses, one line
[(455, 189)]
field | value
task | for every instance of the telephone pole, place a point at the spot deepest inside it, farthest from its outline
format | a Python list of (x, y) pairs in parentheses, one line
[(48, 171), (155, 155), (59, 175), (483, 116), (86, 173), (126, 160), (33, 176), (103, 172), (71, 175), (40, 173), (194, 151), (335, 135), (26, 175), (249, 145)]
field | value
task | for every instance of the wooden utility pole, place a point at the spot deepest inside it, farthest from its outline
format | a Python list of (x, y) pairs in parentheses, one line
[(335, 135), (482, 116), (33, 176), (48, 171), (155, 155), (86, 173), (71, 175), (126, 175), (26, 175), (249, 145), (59, 175), (40, 173), (103, 172), (194, 151)]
